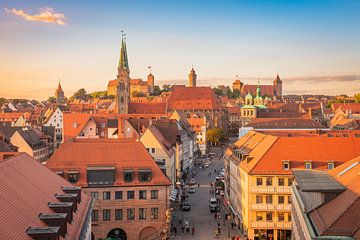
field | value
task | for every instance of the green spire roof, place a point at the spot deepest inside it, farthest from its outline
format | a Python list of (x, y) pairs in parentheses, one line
[(123, 63), (258, 90)]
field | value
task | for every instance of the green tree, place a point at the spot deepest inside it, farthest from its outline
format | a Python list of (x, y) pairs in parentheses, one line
[(166, 88), (99, 94), (215, 136), (81, 94), (356, 96), (157, 90), (218, 91), (51, 99), (2, 101)]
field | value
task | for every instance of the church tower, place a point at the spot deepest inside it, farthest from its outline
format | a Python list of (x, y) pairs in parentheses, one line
[(59, 94), (151, 82), (277, 86), (123, 89), (192, 78)]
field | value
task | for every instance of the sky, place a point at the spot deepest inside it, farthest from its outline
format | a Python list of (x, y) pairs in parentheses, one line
[(314, 45)]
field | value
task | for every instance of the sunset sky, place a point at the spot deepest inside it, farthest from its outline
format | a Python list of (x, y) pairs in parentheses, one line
[(315, 45)]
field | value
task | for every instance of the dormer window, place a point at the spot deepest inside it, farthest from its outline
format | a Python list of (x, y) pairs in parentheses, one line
[(128, 175), (75, 125), (286, 165), (144, 175), (308, 165), (330, 165), (73, 176), (100, 175)]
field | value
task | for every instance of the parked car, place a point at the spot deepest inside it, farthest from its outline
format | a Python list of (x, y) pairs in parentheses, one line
[(222, 172), (191, 190), (206, 165), (186, 206), (213, 205), (219, 178), (192, 181)]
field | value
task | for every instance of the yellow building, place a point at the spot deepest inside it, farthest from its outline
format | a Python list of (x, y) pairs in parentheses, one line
[(259, 176)]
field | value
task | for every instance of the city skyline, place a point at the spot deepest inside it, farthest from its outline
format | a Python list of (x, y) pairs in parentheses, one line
[(80, 44)]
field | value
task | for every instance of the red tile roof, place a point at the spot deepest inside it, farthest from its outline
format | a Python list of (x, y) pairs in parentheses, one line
[(341, 215), (147, 108), (267, 90), (192, 98), (26, 188), (354, 107), (197, 123), (119, 153), (284, 123), (234, 110)]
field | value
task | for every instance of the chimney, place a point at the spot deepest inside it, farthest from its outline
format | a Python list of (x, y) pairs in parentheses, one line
[(68, 197), (55, 219), (75, 190), (40, 233), (63, 207), (310, 113)]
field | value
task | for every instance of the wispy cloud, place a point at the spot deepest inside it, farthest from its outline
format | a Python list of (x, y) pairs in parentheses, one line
[(46, 15)]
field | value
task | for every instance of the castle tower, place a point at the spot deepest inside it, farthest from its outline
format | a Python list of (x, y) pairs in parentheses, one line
[(59, 94), (192, 78), (277, 86), (151, 82), (123, 89)]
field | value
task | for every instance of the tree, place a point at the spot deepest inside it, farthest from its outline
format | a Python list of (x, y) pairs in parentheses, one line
[(81, 94), (215, 136), (218, 91), (51, 99), (228, 92), (2, 101), (99, 94), (166, 88), (356, 96), (157, 90)]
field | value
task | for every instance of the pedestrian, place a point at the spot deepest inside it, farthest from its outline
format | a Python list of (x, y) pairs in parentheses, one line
[(237, 237), (193, 230), (209, 191), (174, 230), (198, 185), (180, 222), (215, 215), (183, 229)]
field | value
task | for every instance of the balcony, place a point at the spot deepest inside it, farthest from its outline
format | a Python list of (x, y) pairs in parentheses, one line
[(262, 206), (284, 225), (263, 189), (283, 189), (262, 224), (283, 207)]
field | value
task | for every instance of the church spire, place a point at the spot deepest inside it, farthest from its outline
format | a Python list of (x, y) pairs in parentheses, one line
[(123, 62), (258, 90)]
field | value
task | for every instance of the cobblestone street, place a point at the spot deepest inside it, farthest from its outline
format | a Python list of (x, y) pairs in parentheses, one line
[(199, 216)]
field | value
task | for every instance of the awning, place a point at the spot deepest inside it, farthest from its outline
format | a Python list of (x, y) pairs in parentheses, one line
[(173, 194)]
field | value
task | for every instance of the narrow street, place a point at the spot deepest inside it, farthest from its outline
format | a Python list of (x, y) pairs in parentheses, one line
[(199, 216)]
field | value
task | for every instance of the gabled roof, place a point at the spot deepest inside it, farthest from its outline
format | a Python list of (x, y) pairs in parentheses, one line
[(147, 108), (26, 188), (120, 153), (354, 107), (165, 144), (192, 98), (267, 90)]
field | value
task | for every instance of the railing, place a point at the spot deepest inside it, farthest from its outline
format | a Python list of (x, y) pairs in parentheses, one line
[(263, 189), (283, 189), (263, 224), (283, 207), (284, 225), (263, 207)]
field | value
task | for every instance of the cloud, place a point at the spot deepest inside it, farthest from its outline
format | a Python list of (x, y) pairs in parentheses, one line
[(46, 15)]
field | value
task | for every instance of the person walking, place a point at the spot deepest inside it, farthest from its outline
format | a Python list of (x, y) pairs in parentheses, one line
[(198, 185)]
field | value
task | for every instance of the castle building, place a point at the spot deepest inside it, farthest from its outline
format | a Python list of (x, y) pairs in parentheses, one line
[(151, 83), (192, 78), (59, 95), (249, 111), (274, 90)]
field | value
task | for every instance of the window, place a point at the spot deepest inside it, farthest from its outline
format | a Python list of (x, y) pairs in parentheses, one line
[(281, 217), (269, 216), (95, 195), (118, 195), (102, 125), (268, 181), (286, 165), (95, 215), (290, 181), (144, 175), (142, 213), (106, 195), (289, 199), (100, 175), (154, 213), (259, 182), (289, 217), (308, 165), (330, 165), (281, 199), (142, 194), (106, 215), (259, 199), (130, 213), (118, 214), (128, 175), (281, 181), (130, 194), (269, 199), (152, 150), (73, 176), (259, 216), (154, 194)]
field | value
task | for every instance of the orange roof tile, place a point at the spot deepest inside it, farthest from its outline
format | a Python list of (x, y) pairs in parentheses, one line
[(354, 107), (196, 123), (150, 107), (267, 90), (26, 188), (281, 123), (120, 153)]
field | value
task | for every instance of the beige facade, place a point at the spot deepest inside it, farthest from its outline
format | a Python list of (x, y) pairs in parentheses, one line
[(40, 153)]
